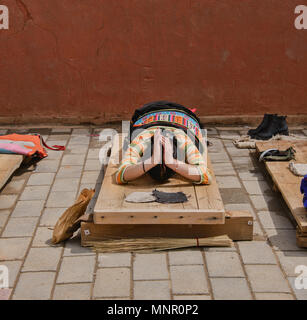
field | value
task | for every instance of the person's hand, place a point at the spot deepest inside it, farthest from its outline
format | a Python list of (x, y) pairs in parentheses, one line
[(168, 151), (157, 148), (156, 157)]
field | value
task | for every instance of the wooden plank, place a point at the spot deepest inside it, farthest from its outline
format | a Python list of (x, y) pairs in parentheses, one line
[(163, 216), (209, 197), (286, 182), (205, 204), (299, 145), (238, 226), (8, 164), (301, 238)]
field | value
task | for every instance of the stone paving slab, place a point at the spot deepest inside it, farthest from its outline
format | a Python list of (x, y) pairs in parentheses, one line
[(78, 291), (40, 283), (13, 248), (224, 264), (150, 267), (32, 202), (152, 290), (267, 278), (20, 227), (76, 269), (37, 179), (230, 289), (42, 259), (29, 208), (189, 279), (256, 252), (112, 282)]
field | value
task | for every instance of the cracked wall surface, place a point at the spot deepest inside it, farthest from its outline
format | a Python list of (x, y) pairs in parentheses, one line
[(100, 59)]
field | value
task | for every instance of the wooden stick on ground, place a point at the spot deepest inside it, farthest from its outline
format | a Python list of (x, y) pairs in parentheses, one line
[(157, 244)]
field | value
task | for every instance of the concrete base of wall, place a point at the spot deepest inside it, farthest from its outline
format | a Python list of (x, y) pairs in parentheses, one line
[(251, 120)]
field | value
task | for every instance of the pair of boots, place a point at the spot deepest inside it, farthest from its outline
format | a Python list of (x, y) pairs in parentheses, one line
[(271, 125)]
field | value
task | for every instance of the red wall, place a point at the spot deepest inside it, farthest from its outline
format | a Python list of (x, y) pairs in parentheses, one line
[(103, 58)]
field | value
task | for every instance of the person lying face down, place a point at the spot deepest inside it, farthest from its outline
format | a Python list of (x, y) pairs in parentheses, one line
[(162, 152)]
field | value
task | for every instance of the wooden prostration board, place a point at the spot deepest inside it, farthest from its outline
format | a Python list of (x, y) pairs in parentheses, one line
[(205, 205), (8, 164), (287, 183)]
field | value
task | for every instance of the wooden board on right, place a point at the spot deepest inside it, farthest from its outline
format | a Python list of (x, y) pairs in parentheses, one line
[(287, 183), (8, 164)]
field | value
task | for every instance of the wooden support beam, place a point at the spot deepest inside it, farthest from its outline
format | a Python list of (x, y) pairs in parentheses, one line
[(238, 226)]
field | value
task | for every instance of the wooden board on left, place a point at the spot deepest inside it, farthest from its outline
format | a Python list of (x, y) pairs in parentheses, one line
[(8, 164)]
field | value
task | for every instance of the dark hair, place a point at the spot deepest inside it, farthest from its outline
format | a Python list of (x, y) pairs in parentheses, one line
[(161, 172)]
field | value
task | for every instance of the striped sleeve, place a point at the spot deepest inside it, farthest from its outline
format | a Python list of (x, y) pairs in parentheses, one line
[(131, 157), (194, 157)]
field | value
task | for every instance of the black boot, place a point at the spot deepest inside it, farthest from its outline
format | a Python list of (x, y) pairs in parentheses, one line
[(278, 125), (267, 118)]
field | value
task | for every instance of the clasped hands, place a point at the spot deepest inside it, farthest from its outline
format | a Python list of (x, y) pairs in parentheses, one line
[(161, 155)]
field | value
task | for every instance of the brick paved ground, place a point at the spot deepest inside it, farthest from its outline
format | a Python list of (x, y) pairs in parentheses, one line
[(33, 200)]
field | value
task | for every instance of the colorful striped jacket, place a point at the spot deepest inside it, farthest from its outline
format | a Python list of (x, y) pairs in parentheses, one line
[(140, 143)]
